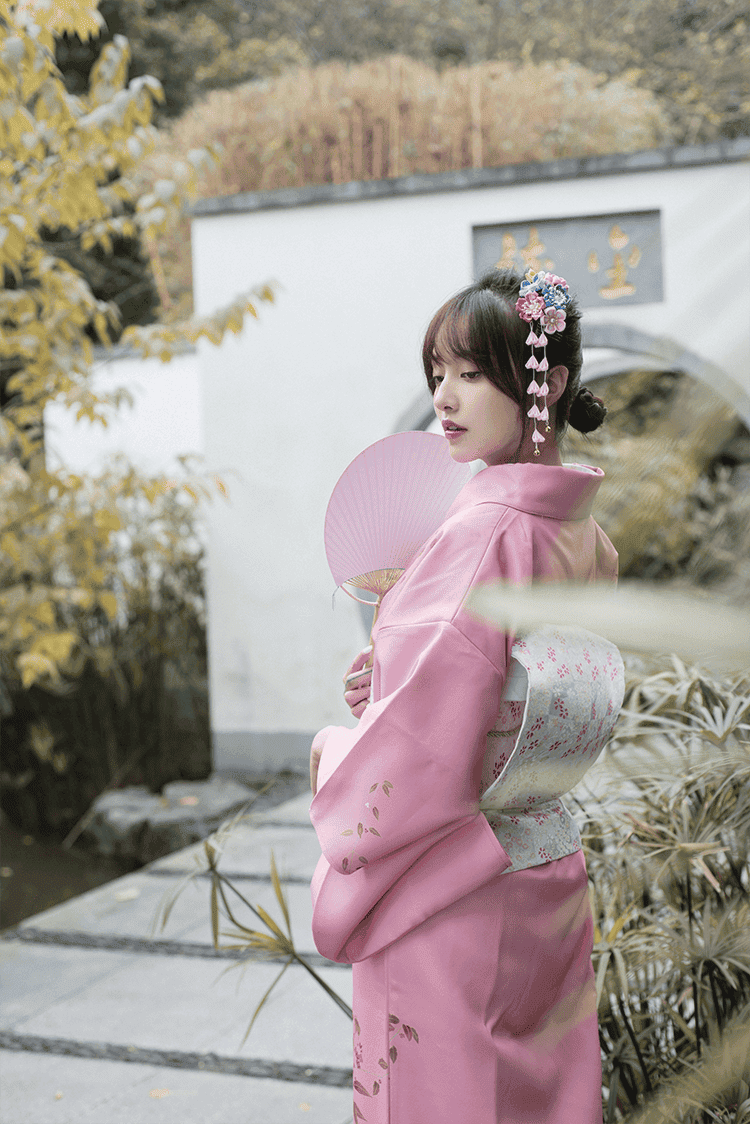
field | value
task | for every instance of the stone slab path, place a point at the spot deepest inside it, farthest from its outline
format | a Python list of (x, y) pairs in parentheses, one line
[(104, 1019)]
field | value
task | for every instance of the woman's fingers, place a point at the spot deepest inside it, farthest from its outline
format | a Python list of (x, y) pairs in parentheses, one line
[(358, 679), (357, 682), (359, 695), (358, 662), (357, 700)]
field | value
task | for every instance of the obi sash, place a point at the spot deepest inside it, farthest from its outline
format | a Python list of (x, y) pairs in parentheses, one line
[(562, 695)]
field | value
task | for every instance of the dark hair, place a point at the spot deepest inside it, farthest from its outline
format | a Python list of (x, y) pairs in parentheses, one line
[(481, 324)]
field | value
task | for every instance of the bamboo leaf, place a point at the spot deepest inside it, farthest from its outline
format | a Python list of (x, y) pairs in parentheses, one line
[(621, 921), (251, 934), (214, 911), (724, 1065), (257, 1010), (250, 938), (622, 972), (168, 902), (280, 895), (260, 945), (271, 924), (601, 973), (703, 869)]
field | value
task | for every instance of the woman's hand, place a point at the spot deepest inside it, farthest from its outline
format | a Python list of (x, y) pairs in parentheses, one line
[(316, 750), (357, 682)]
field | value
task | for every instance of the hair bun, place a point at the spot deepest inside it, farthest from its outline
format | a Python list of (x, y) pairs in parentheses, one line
[(587, 412)]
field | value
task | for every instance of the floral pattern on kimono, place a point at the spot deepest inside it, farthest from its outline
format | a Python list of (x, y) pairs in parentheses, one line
[(368, 1079), (574, 687)]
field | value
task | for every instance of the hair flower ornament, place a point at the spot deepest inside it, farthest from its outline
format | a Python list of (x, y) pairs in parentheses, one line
[(532, 306), (553, 320), (541, 303)]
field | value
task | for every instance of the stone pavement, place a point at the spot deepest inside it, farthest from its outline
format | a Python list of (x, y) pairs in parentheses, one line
[(106, 1020)]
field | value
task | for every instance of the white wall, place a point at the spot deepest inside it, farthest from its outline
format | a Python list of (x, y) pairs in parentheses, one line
[(333, 364), (164, 422)]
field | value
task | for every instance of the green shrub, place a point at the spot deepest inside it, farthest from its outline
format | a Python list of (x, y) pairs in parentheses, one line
[(127, 701)]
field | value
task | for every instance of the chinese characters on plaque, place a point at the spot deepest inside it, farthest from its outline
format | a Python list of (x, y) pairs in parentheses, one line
[(606, 259)]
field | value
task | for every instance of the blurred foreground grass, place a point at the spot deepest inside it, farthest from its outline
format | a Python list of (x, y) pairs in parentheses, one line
[(651, 620)]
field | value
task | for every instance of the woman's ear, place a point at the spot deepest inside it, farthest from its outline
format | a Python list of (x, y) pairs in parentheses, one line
[(557, 380)]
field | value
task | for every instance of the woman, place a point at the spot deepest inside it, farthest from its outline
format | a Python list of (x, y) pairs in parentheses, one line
[(468, 923)]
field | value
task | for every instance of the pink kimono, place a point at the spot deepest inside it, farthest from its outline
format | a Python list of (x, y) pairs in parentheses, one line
[(452, 876)]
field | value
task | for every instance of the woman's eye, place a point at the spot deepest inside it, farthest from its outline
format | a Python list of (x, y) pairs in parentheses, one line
[(436, 380), (471, 374)]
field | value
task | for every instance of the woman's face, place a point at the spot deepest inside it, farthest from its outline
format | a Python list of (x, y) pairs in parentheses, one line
[(479, 421)]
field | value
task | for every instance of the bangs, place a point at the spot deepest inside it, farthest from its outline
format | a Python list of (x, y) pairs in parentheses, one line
[(452, 338), (481, 327)]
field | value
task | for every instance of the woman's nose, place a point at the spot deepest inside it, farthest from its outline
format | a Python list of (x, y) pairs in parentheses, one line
[(443, 397)]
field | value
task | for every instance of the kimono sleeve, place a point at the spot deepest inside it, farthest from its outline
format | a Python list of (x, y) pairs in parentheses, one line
[(397, 814), (397, 808), (411, 770)]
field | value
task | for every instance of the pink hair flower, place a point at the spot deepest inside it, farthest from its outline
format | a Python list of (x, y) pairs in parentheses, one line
[(530, 306), (553, 320)]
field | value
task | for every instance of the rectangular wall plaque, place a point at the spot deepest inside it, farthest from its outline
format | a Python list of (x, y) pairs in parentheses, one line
[(606, 259)]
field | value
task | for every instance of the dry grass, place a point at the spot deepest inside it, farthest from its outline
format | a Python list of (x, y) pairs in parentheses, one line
[(395, 117), (674, 509)]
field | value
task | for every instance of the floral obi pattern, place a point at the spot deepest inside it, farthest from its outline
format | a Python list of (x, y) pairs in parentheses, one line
[(562, 696)]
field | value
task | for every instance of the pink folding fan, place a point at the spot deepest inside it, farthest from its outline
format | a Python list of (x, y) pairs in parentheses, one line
[(386, 505)]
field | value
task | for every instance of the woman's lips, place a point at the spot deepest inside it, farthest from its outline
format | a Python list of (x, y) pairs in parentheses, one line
[(452, 434)]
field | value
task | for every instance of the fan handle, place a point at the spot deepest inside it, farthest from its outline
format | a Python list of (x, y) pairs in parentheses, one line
[(376, 581)]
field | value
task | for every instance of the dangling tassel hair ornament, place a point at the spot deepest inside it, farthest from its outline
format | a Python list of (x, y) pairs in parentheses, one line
[(541, 304)]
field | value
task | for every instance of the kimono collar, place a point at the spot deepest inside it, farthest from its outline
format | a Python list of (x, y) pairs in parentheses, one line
[(553, 491)]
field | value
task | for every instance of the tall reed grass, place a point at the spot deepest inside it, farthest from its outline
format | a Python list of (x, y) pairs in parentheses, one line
[(397, 116)]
